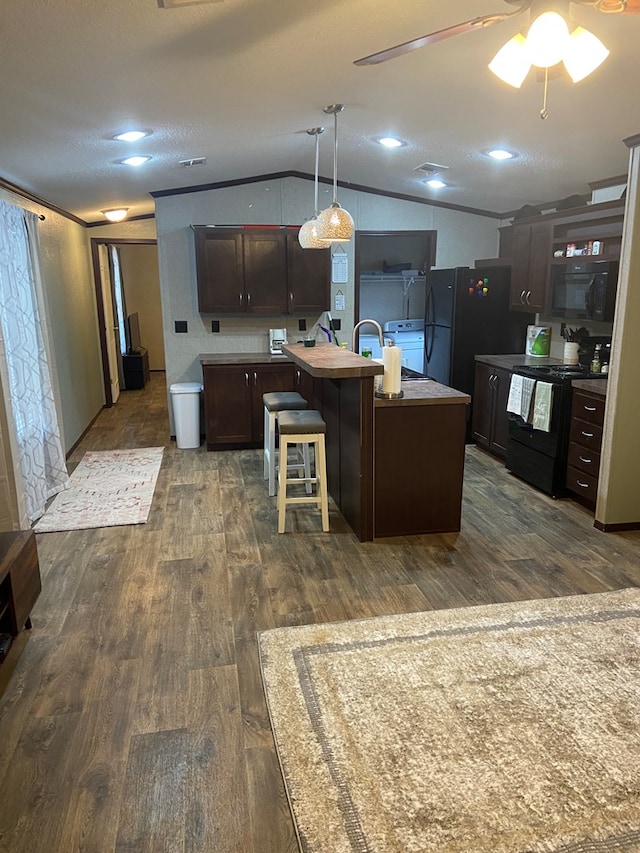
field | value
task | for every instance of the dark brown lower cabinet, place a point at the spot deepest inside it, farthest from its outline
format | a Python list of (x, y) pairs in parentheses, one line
[(490, 419), (583, 464), (419, 466), (19, 583), (233, 401)]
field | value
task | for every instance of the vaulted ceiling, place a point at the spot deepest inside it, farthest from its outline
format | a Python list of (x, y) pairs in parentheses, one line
[(240, 81)]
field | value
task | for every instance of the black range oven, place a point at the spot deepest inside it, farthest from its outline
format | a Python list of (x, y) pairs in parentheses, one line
[(540, 457)]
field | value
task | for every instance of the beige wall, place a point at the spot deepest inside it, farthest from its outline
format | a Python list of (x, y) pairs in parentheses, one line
[(71, 323), (141, 283), (619, 485)]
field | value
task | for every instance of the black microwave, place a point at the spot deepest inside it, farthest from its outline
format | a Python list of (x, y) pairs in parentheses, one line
[(584, 290)]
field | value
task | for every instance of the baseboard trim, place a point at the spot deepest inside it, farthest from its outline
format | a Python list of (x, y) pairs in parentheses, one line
[(616, 528)]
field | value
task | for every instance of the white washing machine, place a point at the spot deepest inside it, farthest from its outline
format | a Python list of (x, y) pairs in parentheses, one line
[(409, 336)]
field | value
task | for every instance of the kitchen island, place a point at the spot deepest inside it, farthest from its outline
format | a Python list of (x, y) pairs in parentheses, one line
[(394, 466)]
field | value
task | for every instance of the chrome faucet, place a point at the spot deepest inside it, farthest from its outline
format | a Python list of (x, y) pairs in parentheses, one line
[(361, 323)]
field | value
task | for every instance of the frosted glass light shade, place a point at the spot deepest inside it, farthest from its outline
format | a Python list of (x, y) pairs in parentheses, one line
[(584, 53), (116, 214), (335, 225), (547, 40), (511, 63), (308, 236)]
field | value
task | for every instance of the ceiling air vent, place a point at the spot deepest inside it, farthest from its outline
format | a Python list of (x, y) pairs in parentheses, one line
[(192, 161), (431, 168)]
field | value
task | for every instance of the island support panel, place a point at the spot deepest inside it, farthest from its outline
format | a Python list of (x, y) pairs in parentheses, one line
[(419, 466)]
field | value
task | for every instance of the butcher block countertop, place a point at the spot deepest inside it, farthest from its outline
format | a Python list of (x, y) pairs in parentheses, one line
[(424, 392), (327, 361)]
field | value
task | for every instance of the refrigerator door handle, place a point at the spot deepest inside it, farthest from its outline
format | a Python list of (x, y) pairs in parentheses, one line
[(428, 314), (429, 340)]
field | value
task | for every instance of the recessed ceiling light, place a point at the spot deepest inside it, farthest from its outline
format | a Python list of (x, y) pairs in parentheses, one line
[(131, 135), (117, 214), (435, 184), (501, 154), (135, 161), (391, 142)]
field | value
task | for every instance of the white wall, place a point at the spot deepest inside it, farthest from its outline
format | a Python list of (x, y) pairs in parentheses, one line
[(462, 237)]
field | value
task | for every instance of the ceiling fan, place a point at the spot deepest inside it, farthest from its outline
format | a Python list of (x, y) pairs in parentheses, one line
[(610, 6)]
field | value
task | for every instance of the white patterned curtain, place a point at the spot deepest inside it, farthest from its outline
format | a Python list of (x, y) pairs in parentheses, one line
[(32, 412)]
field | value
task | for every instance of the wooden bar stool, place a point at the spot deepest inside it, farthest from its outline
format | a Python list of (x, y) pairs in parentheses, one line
[(306, 428), (275, 402)]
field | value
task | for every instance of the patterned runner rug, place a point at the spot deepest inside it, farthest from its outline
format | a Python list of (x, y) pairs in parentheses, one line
[(508, 728), (108, 488)]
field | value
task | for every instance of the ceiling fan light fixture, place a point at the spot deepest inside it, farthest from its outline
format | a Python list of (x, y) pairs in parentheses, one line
[(335, 224), (511, 63), (547, 40), (584, 53)]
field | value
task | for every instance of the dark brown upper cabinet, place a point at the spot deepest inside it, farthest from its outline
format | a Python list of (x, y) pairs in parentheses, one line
[(259, 271)]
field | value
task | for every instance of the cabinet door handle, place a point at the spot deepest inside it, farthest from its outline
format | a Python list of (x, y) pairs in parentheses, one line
[(590, 408), (522, 297), (587, 434), (298, 376), (246, 379), (241, 296), (248, 301), (527, 297), (582, 485), (291, 300), (586, 461), (255, 378)]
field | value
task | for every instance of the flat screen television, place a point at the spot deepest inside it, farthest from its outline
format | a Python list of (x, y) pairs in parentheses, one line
[(133, 333)]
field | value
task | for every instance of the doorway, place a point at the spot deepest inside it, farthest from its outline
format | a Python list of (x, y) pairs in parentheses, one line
[(134, 264), (390, 269)]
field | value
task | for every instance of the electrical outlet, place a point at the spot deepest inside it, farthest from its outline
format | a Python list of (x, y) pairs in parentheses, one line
[(337, 324), (302, 325), (180, 326), (215, 325)]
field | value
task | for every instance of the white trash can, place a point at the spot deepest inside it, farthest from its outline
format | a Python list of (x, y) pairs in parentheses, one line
[(185, 398)]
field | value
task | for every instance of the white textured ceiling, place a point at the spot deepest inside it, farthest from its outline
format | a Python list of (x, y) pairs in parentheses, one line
[(240, 81)]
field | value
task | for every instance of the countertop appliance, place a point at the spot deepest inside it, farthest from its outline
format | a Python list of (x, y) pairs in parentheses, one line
[(277, 338), (539, 457), (406, 334), (584, 289), (462, 321)]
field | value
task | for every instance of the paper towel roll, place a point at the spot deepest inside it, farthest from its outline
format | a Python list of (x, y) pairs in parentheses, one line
[(392, 360)]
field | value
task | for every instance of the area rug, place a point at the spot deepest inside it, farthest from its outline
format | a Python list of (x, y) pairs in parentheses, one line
[(108, 488), (508, 728)]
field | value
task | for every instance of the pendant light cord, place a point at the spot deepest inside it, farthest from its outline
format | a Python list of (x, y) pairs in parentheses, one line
[(318, 132), (335, 157)]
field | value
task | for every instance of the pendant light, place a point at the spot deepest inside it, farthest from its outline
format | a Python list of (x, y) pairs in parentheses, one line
[(308, 234), (335, 225)]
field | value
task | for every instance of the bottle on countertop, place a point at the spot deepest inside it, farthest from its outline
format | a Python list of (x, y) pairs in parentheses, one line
[(595, 362)]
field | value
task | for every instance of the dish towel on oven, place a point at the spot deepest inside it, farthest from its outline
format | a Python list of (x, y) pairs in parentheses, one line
[(520, 394), (542, 406)]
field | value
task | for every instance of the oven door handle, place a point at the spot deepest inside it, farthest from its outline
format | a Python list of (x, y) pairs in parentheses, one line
[(590, 297)]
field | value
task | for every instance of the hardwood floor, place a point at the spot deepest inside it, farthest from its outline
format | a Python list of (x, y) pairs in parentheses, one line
[(132, 716)]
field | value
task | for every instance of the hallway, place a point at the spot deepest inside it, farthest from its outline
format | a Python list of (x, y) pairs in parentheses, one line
[(132, 716)]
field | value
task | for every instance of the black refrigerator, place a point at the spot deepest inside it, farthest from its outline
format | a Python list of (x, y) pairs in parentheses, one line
[(467, 314)]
